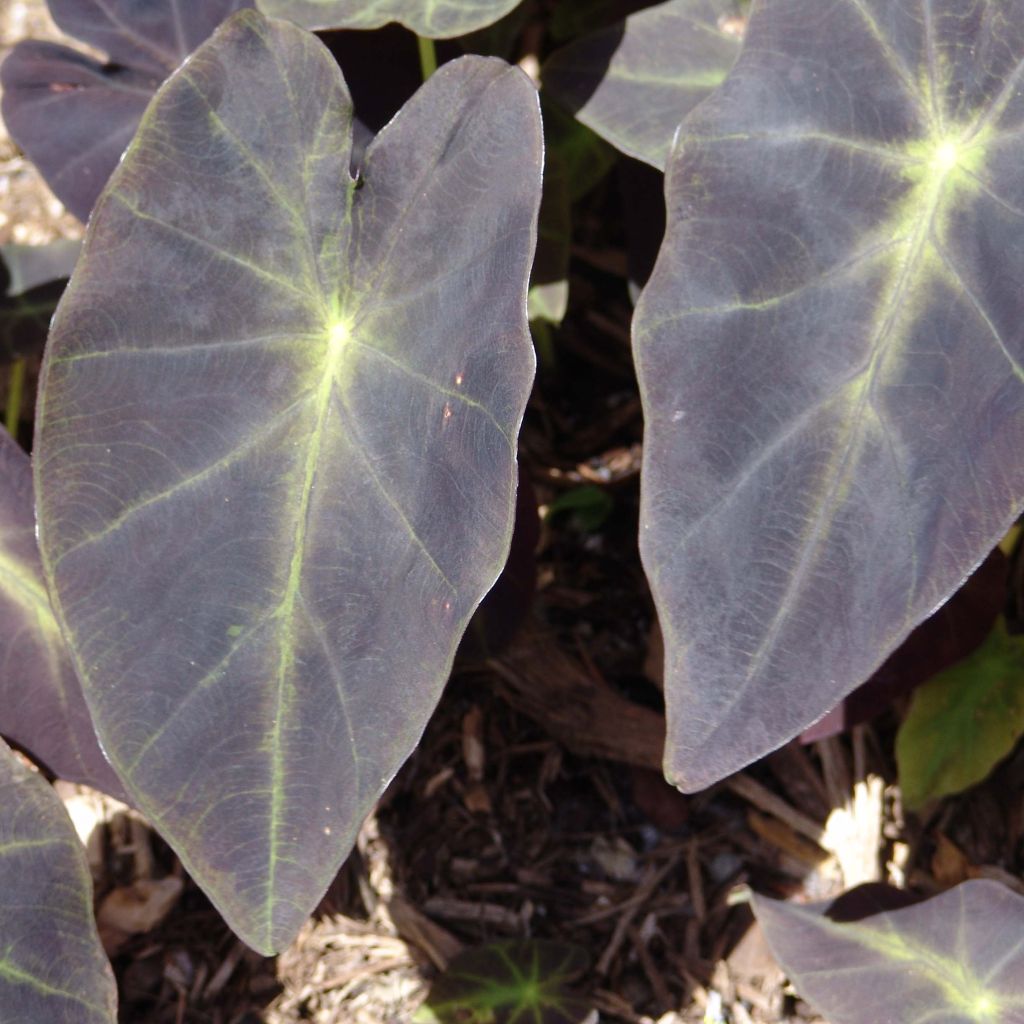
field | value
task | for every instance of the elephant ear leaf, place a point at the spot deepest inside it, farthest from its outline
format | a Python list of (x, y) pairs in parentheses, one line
[(73, 114), (52, 966), (424, 17), (276, 451), (829, 354), (634, 81), (41, 702), (957, 958)]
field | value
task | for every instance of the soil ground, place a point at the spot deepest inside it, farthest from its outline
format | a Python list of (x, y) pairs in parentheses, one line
[(516, 817)]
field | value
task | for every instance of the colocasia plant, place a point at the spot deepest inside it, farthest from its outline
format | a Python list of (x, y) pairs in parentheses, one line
[(274, 464)]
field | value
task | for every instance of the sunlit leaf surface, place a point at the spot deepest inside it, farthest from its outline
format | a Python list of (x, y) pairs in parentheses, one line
[(52, 967), (434, 19), (74, 115), (41, 703), (634, 82), (276, 457), (829, 355), (524, 982), (957, 958), (964, 721)]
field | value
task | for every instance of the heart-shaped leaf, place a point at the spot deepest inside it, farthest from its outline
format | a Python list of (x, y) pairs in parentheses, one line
[(635, 81), (74, 115), (276, 445), (964, 721), (829, 352), (41, 703), (52, 966), (428, 18), (509, 982), (957, 958)]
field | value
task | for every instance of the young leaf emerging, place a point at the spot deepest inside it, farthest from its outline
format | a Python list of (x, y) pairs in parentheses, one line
[(957, 958), (52, 966), (276, 457), (508, 983), (634, 82), (74, 115), (433, 19), (41, 703), (829, 355)]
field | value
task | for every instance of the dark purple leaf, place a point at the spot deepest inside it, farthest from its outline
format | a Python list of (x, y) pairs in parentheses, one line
[(503, 611), (41, 703), (957, 958), (868, 899), (73, 115), (509, 983), (829, 353), (424, 17), (52, 967), (954, 631), (276, 445), (635, 81)]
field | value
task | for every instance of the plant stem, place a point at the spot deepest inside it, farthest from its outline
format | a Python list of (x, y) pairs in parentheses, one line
[(428, 56), (12, 414)]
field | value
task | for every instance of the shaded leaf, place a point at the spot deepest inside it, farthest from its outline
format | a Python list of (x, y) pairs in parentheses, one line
[(503, 611), (73, 115), (963, 722), (959, 627), (828, 352), (32, 279), (635, 81), (957, 958), (276, 445), (424, 17), (52, 967), (868, 899), (41, 703), (569, 20), (548, 297), (508, 983), (575, 161)]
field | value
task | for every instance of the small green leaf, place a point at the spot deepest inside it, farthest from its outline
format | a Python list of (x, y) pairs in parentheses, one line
[(964, 721), (521, 982), (590, 506)]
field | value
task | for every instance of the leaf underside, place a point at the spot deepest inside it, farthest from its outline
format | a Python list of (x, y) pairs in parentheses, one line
[(634, 82), (829, 353), (52, 966), (433, 19), (74, 115), (957, 958), (276, 458), (41, 703)]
